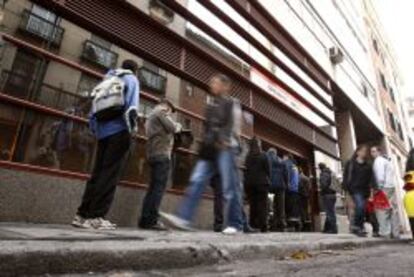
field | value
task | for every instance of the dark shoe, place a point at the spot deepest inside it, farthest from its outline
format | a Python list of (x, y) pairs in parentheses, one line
[(217, 229), (360, 234), (250, 230), (332, 232), (376, 235), (159, 226)]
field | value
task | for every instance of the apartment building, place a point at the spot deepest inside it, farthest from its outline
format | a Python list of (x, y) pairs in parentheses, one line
[(396, 142), (410, 115), (54, 52), (301, 69)]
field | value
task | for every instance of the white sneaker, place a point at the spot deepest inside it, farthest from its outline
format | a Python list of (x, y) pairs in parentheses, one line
[(176, 222), (102, 224), (230, 231), (80, 222)]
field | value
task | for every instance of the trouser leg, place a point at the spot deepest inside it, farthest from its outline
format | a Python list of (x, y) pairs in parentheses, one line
[(202, 173), (359, 214), (230, 182), (114, 160), (160, 169), (262, 204), (394, 216), (91, 185), (329, 205), (218, 204), (279, 214)]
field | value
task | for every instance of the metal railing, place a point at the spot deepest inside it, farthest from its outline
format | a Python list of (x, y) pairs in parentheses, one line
[(99, 55), (41, 28), (152, 80)]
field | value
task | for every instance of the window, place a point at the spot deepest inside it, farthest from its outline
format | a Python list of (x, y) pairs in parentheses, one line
[(153, 78), (392, 94), (43, 24), (101, 42), (392, 120), (98, 52), (400, 131), (187, 124), (86, 84), (190, 90), (209, 99), (364, 90), (375, 45), (43, 13), (383, 81), (160, 12)]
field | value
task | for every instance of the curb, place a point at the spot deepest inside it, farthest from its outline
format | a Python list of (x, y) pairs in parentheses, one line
[(51, 257)]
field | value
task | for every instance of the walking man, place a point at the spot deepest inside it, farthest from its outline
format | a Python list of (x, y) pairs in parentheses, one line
[(217, 155), (385, 180), (328, 199), (160, 129), (112, 121)]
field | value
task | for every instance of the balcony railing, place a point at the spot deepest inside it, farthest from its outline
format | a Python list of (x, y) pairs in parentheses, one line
[(152, 80), (99, 55), (41, 28)]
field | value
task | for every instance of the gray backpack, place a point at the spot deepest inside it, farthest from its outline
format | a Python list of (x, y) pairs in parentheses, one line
[(109, 97)]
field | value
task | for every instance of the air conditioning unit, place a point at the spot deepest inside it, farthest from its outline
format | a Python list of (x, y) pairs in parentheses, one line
[(336, 55)]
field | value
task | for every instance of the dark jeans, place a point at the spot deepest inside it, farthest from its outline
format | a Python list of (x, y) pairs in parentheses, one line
[(219, 207), (258, 210), (372, 219), (359, 214), (160, 169), (110, 161), (279, 211), (218, 204), (304, 212), (293, 210), (329, 201)]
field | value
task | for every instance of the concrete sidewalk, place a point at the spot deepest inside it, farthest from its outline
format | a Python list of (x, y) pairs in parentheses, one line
[(41, 249)]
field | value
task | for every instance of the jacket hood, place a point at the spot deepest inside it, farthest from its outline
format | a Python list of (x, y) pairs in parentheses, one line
[(118, 72)]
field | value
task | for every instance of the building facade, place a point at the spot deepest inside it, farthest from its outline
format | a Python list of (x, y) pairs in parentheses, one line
[(397, 141), (303, 76)]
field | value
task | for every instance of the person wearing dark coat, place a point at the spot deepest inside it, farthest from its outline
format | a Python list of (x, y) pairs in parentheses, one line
[(257, 184), (279, 179), (328, 199), (357, 181)]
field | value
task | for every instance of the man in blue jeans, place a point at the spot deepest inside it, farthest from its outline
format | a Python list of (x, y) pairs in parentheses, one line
[(217, 155)]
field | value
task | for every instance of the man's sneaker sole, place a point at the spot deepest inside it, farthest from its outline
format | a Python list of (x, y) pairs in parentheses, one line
[(173, 221)]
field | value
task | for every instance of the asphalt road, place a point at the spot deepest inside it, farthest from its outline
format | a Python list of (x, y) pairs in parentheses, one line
[(385, 260)]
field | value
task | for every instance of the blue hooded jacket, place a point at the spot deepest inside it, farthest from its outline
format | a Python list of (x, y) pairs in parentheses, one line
[(293, 176), (105, 129), (279, 175)]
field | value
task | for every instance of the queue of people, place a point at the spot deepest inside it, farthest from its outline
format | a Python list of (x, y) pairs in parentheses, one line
[(221, 164)]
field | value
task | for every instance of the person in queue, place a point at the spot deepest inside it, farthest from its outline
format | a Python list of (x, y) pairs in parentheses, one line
[(257, 182), (160, 129), (357, 181)]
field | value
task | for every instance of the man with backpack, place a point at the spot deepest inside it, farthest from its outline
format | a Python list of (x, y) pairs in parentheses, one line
[(112, 121), (217, 155), (328, 194), (160, 129)]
